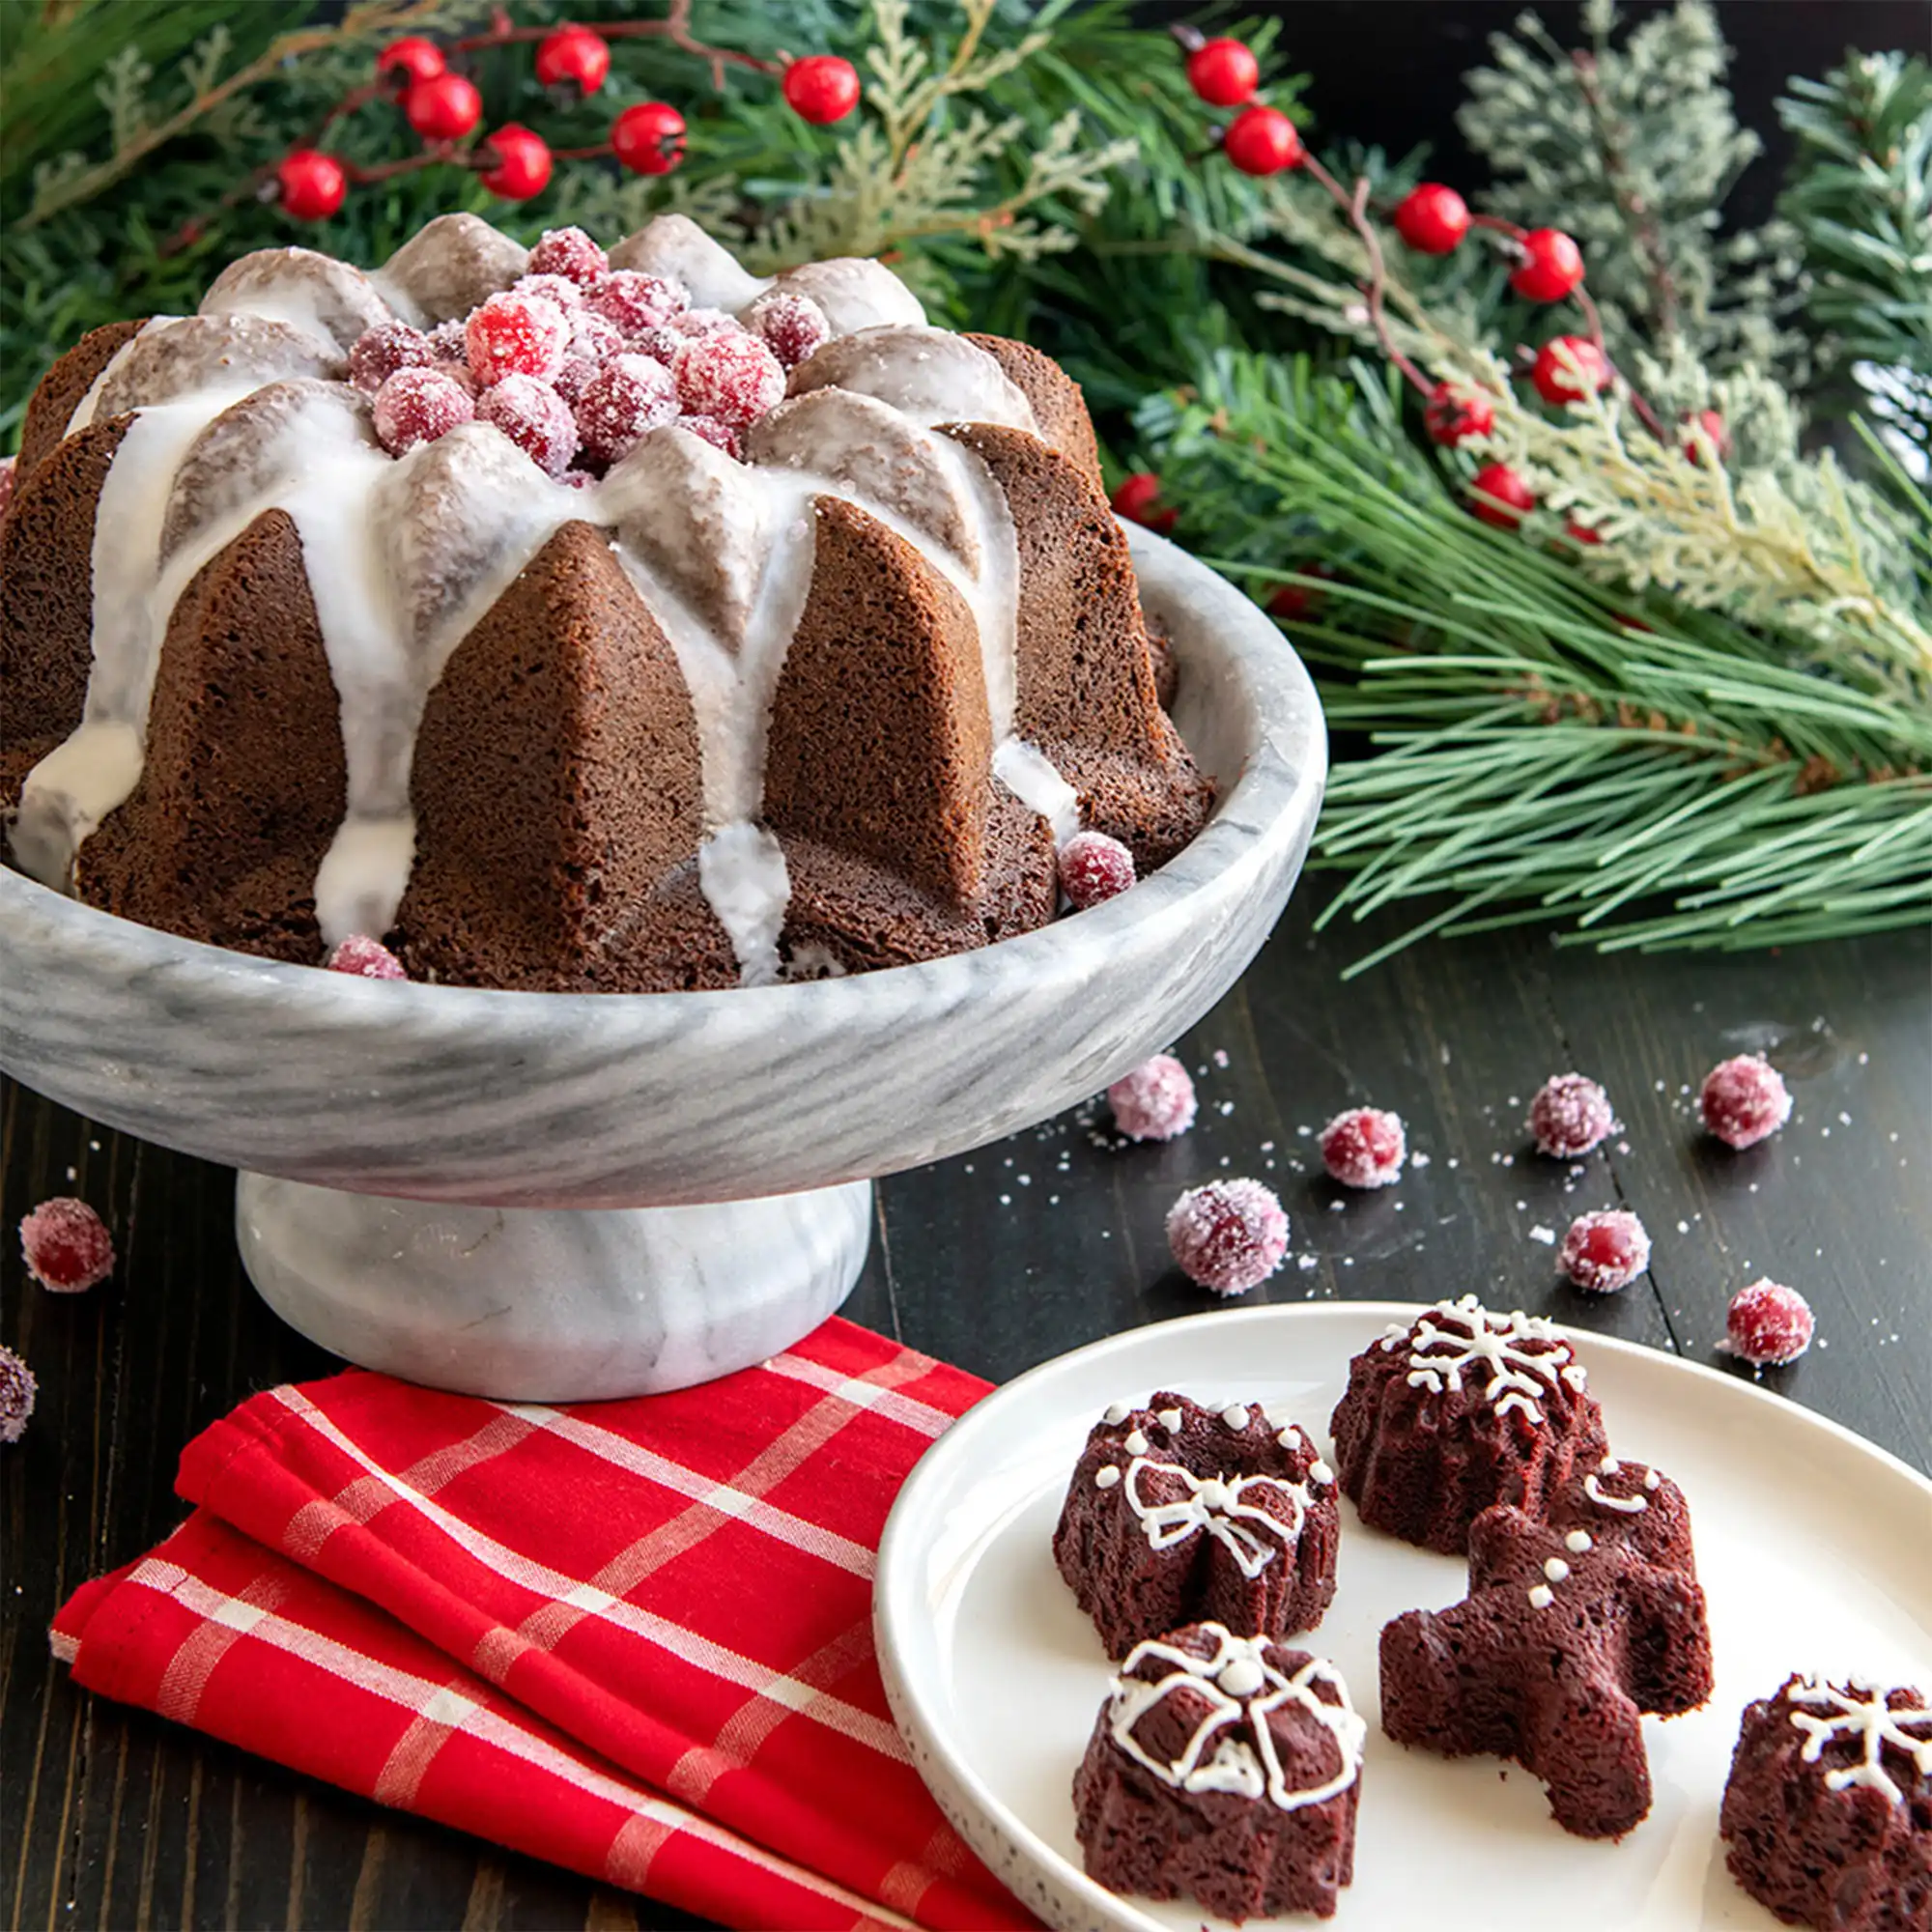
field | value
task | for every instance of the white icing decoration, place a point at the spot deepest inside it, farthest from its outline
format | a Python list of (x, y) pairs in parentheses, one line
[(1578, 1541), (1651, 1479), (1542, 1596), (854, 293), (1479, 1339), (1136, 1443), (1318, 1472), (1624, 1505), (1555, 1569), (1868, 1719), (1235, 1415), (1242, 1689), (1117, 1413), (1106, 1476), (1169, 1420), (676, 248), (1215, 1504)]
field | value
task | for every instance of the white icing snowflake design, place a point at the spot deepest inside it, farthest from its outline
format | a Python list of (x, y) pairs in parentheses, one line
[(1863, 1717), (1242, 1689), (1458, 1335), (1214, 1503)]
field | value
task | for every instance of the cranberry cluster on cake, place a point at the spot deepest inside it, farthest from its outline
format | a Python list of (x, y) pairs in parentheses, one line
[(571, 621)]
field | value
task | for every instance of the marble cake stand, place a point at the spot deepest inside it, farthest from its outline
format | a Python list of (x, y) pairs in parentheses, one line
[(550, 1197)]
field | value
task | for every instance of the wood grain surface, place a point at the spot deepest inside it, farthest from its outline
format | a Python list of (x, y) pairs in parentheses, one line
[(110, 1818)]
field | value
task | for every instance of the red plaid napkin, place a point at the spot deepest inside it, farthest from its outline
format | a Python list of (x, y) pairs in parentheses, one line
[(491, 1612)]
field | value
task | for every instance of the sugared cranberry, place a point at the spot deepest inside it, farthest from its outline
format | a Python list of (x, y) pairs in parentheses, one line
[(628, 396), (1569, 1115), (1605, 1251), (576, 375), (379, 351), (595, 337), (459, 374), (516, 335), (1454, 415), (1769, 1324), (417, 406), (703, 321), (792, 326), (1433, 218), (571, 253), (729, 374), (719, 435), (450, 340), (1551, 265), (1568, 368), (1155, 1101), (17, 1396), (560, 288), (634, 302), (1093, 868), (1364, 1148), (1743, 1100), (67, 1245), (1229, 1235), (661, 343), (366, 958), (535, 418)]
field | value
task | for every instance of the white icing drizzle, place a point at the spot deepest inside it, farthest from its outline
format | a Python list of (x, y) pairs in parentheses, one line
[(1318, 1472), (1106, 1476), (1242, 1689), (84, 410), (1458, 1335), (1540, 1597), (1578, 1541), (1867, 1718), (1117, 1413), (1169, 1420), (1593, 1488), (1215, 1504)]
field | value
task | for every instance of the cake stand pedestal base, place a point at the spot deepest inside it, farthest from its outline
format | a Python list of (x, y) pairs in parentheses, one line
[(550, 1305)]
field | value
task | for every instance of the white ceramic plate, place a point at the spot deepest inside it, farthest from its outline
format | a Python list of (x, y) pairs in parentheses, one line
[(1815, 1548)]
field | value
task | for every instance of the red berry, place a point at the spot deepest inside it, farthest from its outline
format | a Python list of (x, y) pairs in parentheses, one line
[(442, 107), (417, 406), (558, 289), (523, 162), (409, 59), (366, 958), (1606, 1251), (379, 351), (729, 374), (1223, 73), (821, 88), (1712, 426), (573, 54), (1569, 1116), (703, 321), (1364, 1148), (1769, 1324), (1433, 218), (446, 339), (1454, 415), (594, 337), (1261, 141), (1581, 533), (67, 1245), (1743, 1100), (1295, 602), (1229, 1235), (648, 138), (1553, 265), (1512, 493), (719, 435), (1135, 499), (17, 1396), (792, 326), (620, 401), (1155, 1101), (660, 341), (634, 302), (571, 253), (311, 184), (1093, 868), (516, 335), (1568, 368), (535, 418)]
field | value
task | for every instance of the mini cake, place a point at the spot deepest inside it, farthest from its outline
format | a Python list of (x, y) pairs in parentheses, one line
[(1571, 1629), (1827, 1811), (1462, 1408), (1177, 1513), (1226, 1769)]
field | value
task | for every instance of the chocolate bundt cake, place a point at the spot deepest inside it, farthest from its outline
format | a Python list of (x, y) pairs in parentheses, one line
[(1827, 1809), (1458, 1410), (1226, 1769), (1178, 1514), (571, 622)]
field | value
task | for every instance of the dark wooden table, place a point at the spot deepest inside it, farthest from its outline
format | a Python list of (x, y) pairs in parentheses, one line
[(110, 1818)]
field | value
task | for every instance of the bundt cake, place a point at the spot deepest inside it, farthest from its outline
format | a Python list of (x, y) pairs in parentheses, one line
[(571, 622)]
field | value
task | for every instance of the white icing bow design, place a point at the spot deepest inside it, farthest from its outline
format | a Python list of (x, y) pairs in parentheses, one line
[(1215, 1504), (1865, 1718), (1242, 1689)]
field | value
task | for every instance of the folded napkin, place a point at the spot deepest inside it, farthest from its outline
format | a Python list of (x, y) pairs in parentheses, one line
[(631, 1637)]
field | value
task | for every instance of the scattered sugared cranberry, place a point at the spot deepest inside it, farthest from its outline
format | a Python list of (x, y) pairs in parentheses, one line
[(629, 395), (535, 418), (648, 138), (1262, 141), (1227, 1234), (379, 351), (792, 326), (67, 1245), (1569, 1116), (410, 59), (447, 339), (1223, 73), (17, 1396), (1605, 1251), (1552, 265), (1743, 1100), (661, 342), (821, 88), (417, 406), (1155, 1101), (573, 55), (1137, 497), (571, 253), (633, 301), (1769, 1324), (1501, 495), (1453, 415), (703, 321), (595, 337), (719, 435), (524, 162), (729, 374), (558, 289), (1706, 425), (1433, 218), (366, 958), (311, 185), (576, 375), (1364, 1148), (442, 108), (1093, 868), (1568, 368), (516, 335)]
